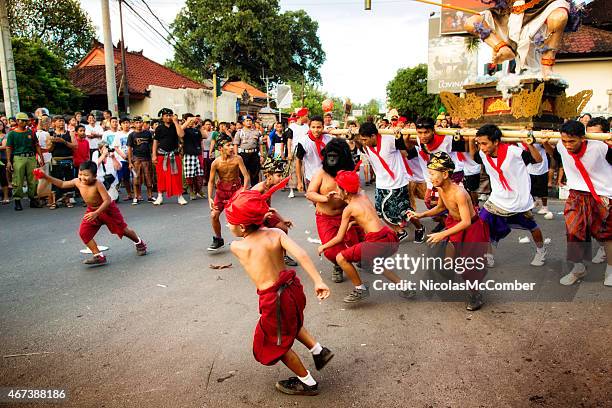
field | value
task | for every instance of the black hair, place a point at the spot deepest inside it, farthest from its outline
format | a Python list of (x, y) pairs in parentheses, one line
[(368, 129), (77, 127), (425, 123), (600, 121), (108, 111), (345, 159), (114, 117), (89, 165), (251, 228), (187, 116), (586, 114), (316, 119), (573, 128), (385, 120), (491, 131), (208, 121), (123, 120)]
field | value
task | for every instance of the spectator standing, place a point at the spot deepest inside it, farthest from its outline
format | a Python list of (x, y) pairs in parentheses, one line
[(61, 146), (22, 147), (140, 143), (94, 132), (120, 146)]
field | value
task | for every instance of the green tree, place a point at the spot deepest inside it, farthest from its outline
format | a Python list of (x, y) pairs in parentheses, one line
[(313, 100), (372, 108), (407, 92), (61, 25), (42, 79), (244, 37)]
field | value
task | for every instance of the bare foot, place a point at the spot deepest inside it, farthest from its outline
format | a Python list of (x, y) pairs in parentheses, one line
[(547, 71), (504, 54)]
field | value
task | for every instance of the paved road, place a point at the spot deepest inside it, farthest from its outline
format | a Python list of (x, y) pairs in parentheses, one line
[(165, 330)]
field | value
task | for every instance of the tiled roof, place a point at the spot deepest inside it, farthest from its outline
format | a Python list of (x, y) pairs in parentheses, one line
[(238, 87), (586, 42), (89, 75)]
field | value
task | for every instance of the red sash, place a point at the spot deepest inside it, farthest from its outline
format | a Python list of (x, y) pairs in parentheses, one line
[(318, 142), (382, 161), (424, 155), (502, 151), (583, 171)]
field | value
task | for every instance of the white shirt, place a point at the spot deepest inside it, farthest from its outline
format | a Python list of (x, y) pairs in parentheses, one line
[(518, 199), (393, 157), (120, 142), (418, 167), (97, 129), (106, 168), (594, 161), (299, 132), (446, 146), (470, 167), (109, 136), (42, 136), (537, 169), (312, 161)]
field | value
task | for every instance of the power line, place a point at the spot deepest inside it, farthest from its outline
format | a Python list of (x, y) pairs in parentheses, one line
[(139, 29)]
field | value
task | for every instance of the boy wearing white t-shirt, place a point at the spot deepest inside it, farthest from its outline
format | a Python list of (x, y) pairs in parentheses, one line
[(538, 173), (588, 209), (510, 203), (393, 172), (120, 144), (310, 148)]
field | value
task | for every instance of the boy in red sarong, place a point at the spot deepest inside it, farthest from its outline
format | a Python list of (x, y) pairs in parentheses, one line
[(468, 234), (281, 295), (101, 210), (380, 240)]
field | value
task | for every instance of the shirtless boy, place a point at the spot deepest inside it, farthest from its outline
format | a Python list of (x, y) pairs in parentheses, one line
[(101, 210), (468, 234), (228, 167), (273, 171), (322, 192), (380, 240), (281, 295)]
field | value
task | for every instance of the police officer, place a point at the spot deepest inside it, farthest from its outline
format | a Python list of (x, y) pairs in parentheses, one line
[(247, 143)]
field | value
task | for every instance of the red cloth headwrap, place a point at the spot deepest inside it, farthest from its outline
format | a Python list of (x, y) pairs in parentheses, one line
[(348, 181), (302, 112), (250, 206)]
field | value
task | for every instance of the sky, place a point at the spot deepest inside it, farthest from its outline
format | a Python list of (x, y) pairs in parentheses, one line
[(395, 31)]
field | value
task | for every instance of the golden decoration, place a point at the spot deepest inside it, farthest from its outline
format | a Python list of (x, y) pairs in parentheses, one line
[(526, 103), (497, 106), (470, 107), (545, 107), (571, 106)]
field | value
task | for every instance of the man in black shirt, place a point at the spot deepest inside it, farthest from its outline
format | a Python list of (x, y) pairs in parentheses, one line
[(192, 156), (166, 158), (139, 157)]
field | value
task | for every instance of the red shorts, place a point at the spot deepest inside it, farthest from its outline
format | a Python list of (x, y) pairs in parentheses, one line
[(383, 243), (112, 218), (328, 227), (225, 191), (281, 307), (471, 244), (171, 184)]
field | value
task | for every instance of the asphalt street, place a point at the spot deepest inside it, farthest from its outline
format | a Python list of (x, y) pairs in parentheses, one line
[(166, 330)]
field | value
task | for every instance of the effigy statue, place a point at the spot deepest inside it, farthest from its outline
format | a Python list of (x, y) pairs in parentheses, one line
[(529, 31)]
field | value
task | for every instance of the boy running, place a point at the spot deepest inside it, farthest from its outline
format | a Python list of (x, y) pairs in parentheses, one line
[(281, 295), (468, 234), (101, 210), (229, 167), (380, 240)]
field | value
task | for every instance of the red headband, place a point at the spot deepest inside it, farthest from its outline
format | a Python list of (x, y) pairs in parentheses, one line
[(250, 206), (348, 181)]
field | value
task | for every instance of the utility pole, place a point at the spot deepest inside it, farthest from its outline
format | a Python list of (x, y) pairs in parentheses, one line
[(126, 91), (267, 80), (7, 64), (109, 60), (215, 91)]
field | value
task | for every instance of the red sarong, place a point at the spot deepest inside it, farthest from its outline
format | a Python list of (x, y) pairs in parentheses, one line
[(171, 184), (380, 244), (585, 218), (282, 315), (224, 191), (112, 218), (471, 243), (328, 227)]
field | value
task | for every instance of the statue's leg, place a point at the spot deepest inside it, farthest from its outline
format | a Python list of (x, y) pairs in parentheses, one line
[(555, 24), (476, 25)]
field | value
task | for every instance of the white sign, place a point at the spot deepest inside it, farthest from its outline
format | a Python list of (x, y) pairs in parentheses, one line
[(357, 112), (284, 97)]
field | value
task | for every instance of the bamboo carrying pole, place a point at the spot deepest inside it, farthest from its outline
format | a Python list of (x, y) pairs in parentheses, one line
[(509, 135), (448, 6)]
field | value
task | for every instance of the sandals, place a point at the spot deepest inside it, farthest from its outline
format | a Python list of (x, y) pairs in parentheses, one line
[(52, 206), (5, 202)]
